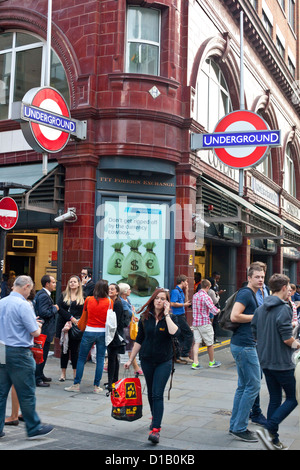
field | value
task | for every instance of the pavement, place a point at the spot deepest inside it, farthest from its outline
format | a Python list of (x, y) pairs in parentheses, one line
[(195, 418)]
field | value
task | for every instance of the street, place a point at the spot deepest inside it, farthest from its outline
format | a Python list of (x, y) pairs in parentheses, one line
[(195, 418)]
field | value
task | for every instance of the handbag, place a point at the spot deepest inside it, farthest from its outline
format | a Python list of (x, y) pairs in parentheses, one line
[(75, 332), (133, 328), (37, 348), (110, 325), (126, 399)]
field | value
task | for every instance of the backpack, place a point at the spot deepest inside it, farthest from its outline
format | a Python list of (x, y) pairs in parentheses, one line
[(224, 316)]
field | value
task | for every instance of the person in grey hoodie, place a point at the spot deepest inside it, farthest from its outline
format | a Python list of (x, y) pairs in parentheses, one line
[(272, 329)]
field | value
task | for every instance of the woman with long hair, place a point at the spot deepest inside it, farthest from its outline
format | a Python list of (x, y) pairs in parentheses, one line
[(93, 323), (70, 305), (154, 344)]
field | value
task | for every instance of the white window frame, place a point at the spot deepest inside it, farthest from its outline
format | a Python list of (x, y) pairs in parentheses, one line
[(13, 50), (292, 13), (221, 89), (289, 182)]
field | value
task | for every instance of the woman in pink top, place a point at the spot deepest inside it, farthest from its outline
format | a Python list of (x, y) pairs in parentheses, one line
[(94, 333)]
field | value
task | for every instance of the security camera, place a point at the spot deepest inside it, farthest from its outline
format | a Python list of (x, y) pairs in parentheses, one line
[(69, 216)]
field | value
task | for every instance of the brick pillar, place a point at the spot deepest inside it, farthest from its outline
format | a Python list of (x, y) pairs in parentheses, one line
[(278, 260), (78, 237), (184, 237)]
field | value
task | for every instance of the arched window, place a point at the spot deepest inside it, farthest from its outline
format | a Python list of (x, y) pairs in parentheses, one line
[(212, 96), (289, 181), (266, 167), (22, 67)]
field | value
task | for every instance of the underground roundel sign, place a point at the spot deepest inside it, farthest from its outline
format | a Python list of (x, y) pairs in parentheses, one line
[(241, 139), (47, 123)]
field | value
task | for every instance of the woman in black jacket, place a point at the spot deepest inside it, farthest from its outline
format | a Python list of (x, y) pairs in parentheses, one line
[(154, 343), (117, 346), (70, 305)]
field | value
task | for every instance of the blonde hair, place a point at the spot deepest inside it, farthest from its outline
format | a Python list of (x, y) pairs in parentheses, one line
[(79, 293), (124, 288)]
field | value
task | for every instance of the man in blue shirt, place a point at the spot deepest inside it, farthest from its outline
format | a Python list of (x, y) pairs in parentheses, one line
[(178, 304), (18, 327)]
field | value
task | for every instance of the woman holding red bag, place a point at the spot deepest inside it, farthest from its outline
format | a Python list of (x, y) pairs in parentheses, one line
[(154, 344)]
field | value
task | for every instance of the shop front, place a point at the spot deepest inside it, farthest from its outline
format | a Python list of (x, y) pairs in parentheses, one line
[(33, 246), (134, 224)]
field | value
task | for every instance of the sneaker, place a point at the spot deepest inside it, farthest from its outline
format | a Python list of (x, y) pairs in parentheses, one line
[(259, 420), (247, 436), (97, 389), (2, 434), (279, 446), (196, 366), (42, 432), (187, 360), (214, 364), (154, 436), (266, 438), (73, 388)]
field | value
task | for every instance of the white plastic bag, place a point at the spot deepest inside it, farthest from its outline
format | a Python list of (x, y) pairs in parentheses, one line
[(110, 326)]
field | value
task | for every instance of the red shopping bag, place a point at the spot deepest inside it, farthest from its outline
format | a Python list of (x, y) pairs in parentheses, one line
[(126, 398), (37, 348)]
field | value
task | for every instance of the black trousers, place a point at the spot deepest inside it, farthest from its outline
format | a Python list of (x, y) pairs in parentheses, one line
[(185, 338), (112, 366), (39, 371)]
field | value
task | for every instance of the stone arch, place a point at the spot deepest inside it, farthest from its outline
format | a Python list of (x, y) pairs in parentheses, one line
[(33, 22), (264, 105), (218, 48)]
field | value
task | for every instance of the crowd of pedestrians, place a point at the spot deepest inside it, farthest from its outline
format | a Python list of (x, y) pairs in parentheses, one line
[(267, 335)]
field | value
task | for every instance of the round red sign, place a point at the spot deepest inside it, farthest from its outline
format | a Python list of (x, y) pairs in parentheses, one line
[(241, 121), (48, 121), (9, 213)]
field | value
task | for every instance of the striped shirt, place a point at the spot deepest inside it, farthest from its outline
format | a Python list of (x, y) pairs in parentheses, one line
[(202, 307)]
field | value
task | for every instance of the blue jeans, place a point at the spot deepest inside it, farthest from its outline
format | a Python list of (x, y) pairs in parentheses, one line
[(156, 376), (249, 381), (278, 380), (87, 341), (20, 372)]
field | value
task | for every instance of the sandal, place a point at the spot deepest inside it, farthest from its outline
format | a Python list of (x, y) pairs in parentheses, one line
[(62, 379)]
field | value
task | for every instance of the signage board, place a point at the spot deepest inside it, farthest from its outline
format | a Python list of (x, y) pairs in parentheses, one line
[(46, 120), (241, 139)]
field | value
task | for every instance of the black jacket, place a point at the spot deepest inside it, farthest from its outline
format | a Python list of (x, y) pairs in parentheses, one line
[(65, 313), (45, 309), (88, 289), (117, 342), (156, 341)]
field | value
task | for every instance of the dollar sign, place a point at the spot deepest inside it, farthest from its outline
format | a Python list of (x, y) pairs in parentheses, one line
[(134, 265), (118, 263)]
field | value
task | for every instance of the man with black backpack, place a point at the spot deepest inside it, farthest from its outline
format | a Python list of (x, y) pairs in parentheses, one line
[(243, 349)]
